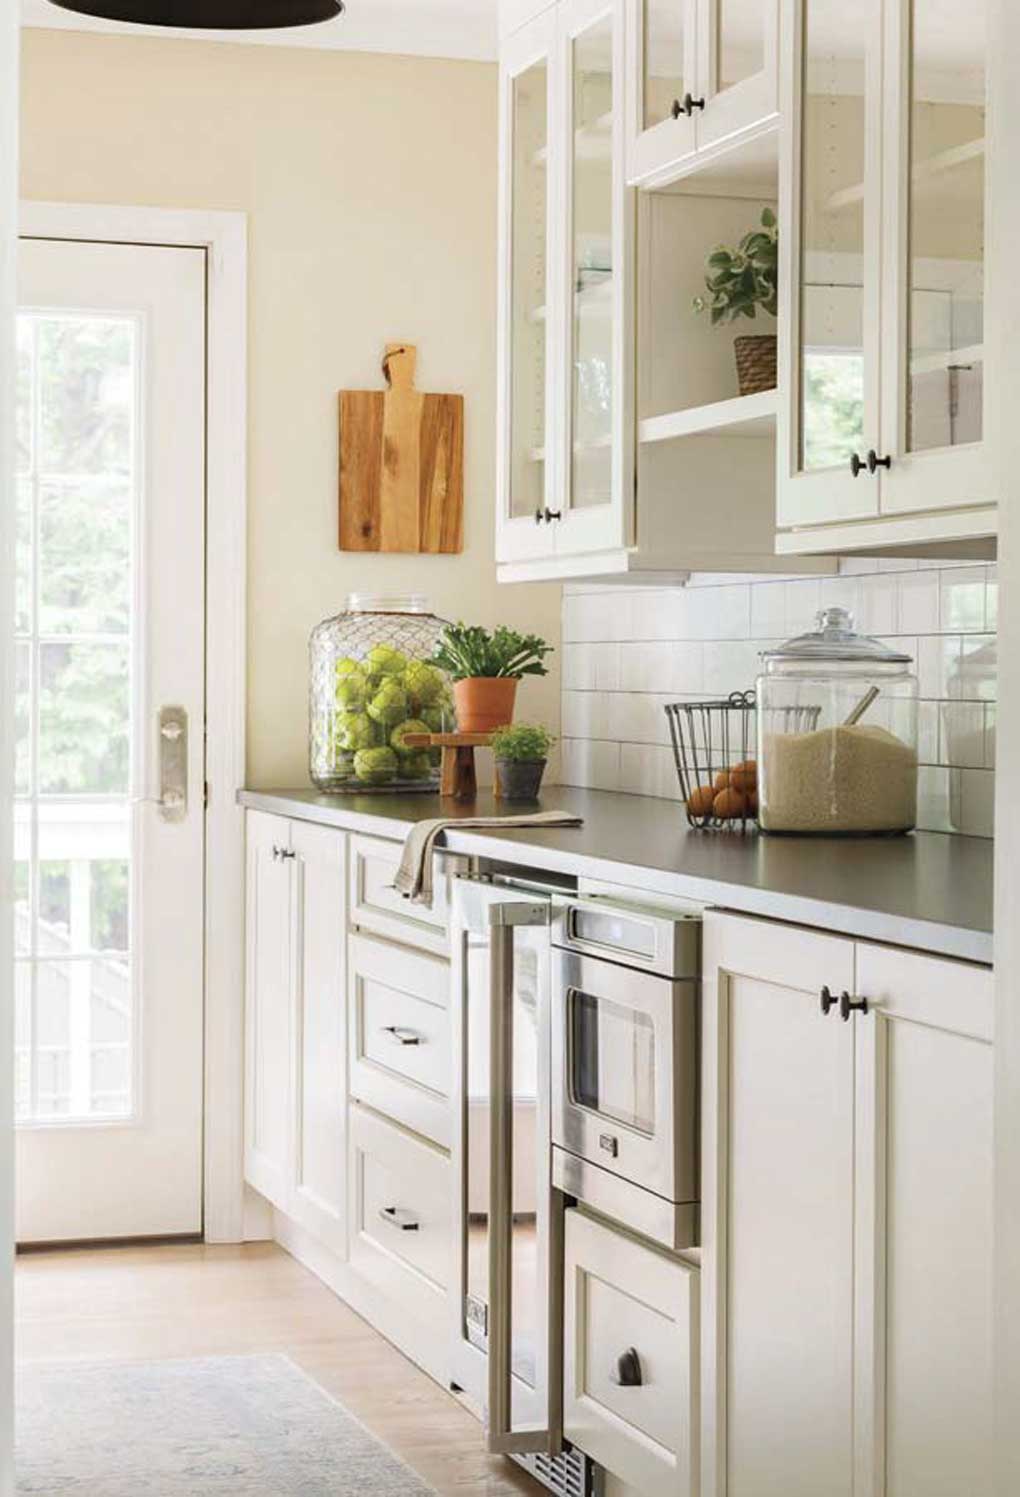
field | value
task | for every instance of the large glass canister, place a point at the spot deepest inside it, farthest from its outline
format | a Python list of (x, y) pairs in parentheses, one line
[(837, 734), (372, 684)]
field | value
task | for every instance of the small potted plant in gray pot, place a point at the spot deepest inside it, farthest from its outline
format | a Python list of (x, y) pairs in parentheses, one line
[(738, 282), (521, 751)]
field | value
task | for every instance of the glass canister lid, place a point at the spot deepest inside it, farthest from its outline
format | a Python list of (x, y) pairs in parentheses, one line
[(835, 639)]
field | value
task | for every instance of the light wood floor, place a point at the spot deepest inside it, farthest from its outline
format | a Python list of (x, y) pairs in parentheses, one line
[(193, 1301)]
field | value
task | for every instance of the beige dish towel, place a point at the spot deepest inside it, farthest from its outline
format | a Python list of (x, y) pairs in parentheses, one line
[(414, 876)]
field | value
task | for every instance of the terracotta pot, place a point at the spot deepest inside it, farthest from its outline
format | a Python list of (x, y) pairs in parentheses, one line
[(756, 363), (519, 779), (484, 703)]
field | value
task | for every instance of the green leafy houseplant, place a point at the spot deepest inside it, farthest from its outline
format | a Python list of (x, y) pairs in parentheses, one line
[(740, 281), (465, 651), (520, 753), (486, 669), (525, 743)]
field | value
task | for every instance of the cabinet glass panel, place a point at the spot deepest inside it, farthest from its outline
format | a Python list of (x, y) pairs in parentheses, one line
[(946, 225), (528, 289), (665, 66), (740, 49), (592, 266), (831, 354)]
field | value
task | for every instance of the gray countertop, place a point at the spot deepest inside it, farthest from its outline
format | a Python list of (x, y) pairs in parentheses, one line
[(929, 891)]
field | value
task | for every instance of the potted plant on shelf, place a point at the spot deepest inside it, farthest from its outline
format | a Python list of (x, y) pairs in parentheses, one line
[(521, 752), (485, 668), (738, 282)]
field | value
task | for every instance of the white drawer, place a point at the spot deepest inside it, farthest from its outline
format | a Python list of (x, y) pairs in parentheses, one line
[(400, 1214), (626, 1300), (375, 905), (399, 1034)]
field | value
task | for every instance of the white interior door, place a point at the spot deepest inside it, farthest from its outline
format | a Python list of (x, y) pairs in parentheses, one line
[(110, 633)]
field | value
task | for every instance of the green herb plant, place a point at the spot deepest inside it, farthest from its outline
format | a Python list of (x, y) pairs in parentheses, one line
[(522, 742), (467, 650), (742, 280)]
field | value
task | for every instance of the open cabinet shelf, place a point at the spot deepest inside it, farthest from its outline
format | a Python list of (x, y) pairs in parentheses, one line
[(744, 416)]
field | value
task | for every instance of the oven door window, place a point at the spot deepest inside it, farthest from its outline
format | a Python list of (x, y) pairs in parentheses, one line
[(612, 1060)]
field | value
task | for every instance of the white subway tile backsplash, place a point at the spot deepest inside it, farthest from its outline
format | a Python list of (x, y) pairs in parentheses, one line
[(629, 651), (962, 600)]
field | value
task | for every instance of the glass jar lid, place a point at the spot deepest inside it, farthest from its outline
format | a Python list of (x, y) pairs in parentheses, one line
[(387, 603), (836, 639)]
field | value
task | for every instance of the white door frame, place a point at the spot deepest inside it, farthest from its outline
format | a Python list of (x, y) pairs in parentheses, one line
[(224, 238)]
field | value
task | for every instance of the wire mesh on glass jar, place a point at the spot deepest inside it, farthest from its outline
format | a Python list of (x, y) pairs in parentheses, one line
[(714, 745), (371, 684)]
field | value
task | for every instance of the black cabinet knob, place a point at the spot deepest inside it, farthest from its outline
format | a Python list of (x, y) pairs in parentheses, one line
[(627, 1372), (857, 464), (552, 514), (687, 105), (848, 1005), (828, 1002), (875, 462)]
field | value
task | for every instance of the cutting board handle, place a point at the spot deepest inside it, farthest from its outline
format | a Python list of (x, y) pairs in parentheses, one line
[(398, 365)]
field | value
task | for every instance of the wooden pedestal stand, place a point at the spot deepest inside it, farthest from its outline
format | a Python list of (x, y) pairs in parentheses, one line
[(457, 773)]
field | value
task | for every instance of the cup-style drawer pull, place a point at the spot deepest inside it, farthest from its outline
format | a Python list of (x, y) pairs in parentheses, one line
[(627, 1372), (402, 1036), (404, 1221)]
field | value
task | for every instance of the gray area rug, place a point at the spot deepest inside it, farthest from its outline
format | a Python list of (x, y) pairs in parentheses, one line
[(209, 1427)]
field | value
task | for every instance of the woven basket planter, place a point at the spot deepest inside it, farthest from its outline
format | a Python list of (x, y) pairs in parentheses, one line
[(756, 363)]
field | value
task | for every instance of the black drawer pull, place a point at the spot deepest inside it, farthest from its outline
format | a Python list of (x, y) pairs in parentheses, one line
[(627, 1373), (404, 1221)]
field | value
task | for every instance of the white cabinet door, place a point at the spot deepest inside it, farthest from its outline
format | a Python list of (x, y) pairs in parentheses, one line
[(595, 316), (830, 218), (528, 480), (317, 1195), (933, 383), (630, 1385), (777, 1201), (702, 80), (268, 1008), (923, 1359)]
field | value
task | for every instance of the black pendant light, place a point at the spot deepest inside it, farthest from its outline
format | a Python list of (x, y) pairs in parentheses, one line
[(210, 15)]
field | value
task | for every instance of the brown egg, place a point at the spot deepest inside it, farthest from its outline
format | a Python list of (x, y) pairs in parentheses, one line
[(729, 804), (701, 800), (722, 780), (744, 776)]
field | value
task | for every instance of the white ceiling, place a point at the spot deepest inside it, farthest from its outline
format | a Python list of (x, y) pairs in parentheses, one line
[(430, 28)]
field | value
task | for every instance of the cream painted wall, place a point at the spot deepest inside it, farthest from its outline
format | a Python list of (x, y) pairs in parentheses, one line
[(370, 185)]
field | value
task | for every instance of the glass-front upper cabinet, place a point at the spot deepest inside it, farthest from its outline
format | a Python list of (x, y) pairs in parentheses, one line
[(702, 79), (528, 480), (829, 244), (934, 239), (598, 254), (882, 229)]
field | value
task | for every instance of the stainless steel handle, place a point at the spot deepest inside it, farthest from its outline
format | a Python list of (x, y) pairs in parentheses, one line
[(404, 1221), (173, 763), (501, 1437), (402, 1036)]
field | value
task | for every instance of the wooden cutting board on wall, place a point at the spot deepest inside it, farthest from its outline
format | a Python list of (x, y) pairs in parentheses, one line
[(401, 464)]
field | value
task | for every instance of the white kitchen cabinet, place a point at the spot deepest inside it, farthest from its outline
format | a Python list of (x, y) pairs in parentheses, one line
[(624, 448), (702, 83), (630, 1384), (400, 1045), (847, 1205), (295, 1087), (884, 182), (268, 1008)]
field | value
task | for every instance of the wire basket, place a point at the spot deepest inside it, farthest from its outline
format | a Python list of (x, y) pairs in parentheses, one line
[(715, 747)]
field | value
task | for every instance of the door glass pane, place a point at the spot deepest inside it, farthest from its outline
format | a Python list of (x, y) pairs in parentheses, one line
[(528, 953), (73, 824), (741, 43), (529, 290), (665, 63), (832, 375), (592, 267), (947, 226), (612, 1061)]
